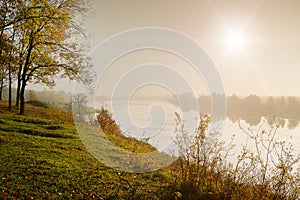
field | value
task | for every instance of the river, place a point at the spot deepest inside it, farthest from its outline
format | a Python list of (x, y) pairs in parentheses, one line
[(154, 122)]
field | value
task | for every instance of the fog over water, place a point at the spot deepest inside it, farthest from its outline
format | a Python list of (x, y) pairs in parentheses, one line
[(155, 119)]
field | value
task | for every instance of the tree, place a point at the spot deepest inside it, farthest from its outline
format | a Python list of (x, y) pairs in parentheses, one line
[(44, 42), (6, 63), (9, 11), (50, 50), (78, 105)]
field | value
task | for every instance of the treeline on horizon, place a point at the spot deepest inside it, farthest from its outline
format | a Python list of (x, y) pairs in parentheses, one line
[(53, 97), (249, 108), (252, 108)]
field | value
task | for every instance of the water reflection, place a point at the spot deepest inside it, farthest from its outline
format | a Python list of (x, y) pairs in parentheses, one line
[(251, 111), (284, 111)]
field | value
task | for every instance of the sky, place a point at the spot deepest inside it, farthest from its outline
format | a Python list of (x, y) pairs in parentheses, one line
[(255, 45)]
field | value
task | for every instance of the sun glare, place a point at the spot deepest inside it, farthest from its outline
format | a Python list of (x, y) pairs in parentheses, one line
[(235, 40)]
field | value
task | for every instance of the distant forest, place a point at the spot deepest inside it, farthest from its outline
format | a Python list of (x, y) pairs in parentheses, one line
[(56, 98), (251, 108)]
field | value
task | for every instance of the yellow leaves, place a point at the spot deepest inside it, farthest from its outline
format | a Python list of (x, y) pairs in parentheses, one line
[(44, 36), (178, 195)]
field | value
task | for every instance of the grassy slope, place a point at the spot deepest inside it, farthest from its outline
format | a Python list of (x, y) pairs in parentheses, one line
[(42, 156)]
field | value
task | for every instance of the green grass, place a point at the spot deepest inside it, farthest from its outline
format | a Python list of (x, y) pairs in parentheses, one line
[(42, 156)]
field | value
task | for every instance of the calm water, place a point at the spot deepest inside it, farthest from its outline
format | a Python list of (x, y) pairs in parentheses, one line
[(156, 121)]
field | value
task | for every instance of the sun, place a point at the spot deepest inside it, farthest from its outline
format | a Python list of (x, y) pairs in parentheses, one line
[(235, 40)]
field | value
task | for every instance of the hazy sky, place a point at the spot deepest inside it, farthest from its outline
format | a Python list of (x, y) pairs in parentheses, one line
[(255, 44)]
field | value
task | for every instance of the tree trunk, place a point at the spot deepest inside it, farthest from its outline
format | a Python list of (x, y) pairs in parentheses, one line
[(22, 98), (23, 80), (1, 88), (1, 36), (9, 72), (18, 87), (9, 88)]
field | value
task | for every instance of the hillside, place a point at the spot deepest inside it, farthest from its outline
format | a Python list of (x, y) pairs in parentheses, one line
[(42, 156)]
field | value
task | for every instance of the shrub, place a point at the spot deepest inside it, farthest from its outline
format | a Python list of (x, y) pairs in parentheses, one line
[(203, 172), (107, 123)]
